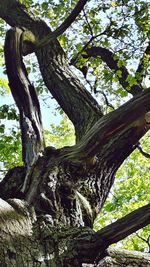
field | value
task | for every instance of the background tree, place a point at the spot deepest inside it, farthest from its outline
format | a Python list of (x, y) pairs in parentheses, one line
[(50, 203)]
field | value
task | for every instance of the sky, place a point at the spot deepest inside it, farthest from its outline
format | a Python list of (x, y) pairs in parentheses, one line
[(47, 112)]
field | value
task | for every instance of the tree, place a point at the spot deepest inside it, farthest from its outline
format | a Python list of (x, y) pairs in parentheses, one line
[(49, 204)]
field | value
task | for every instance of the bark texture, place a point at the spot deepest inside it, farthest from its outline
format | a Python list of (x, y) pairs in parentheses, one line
[(65, 187), (123, 258), (29, 240)]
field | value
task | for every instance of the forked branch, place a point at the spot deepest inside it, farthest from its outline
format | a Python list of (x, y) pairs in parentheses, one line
[(82, 109)]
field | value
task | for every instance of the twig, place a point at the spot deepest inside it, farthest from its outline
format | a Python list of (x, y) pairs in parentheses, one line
[(90, 28), (144, 240), (146, 155), (74, 60)]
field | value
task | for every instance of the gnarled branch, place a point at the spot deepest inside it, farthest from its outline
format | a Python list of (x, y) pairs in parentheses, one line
[(134, 112), (95, 158), (82, 109), (26, 99), (109, 58)]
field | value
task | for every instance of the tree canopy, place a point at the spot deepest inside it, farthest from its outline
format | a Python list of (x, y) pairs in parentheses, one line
[(89, 63)]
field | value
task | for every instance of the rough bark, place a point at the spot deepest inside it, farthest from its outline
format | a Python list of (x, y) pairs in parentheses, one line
[(67, 186), (123, 258), (27, 240), (60, 81)]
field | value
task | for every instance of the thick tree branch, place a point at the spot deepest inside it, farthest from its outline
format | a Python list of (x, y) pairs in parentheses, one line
[(109, 58), (112, 138), (125, 226), (16, 14), (25, 97), (93, 247), (93, 161), (65, 25), (82, 109), (135, 113)]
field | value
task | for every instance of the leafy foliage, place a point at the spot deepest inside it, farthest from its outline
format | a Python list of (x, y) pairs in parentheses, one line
[(8, 112), (10, 148), (60, 135), (109, 24), (4, 89)]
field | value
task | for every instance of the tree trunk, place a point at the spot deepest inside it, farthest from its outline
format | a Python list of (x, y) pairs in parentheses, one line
[(62, 190), (28, 240)]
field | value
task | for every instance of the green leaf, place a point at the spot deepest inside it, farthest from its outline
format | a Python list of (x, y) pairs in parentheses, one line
[(131, 80)]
